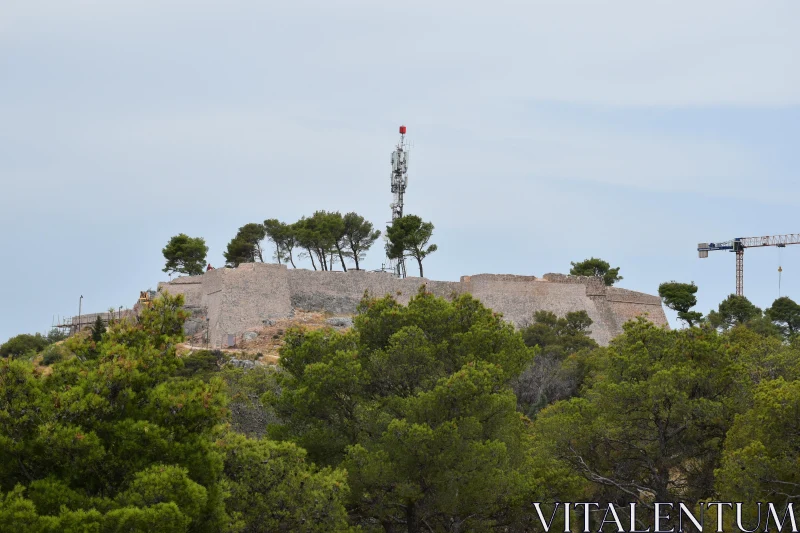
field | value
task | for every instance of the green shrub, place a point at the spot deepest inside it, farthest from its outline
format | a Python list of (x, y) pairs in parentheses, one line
[(53, 354), (56, 335), (19, 345), (202, 364)]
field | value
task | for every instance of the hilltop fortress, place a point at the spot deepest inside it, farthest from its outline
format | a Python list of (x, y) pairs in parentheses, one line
[(229, 302)]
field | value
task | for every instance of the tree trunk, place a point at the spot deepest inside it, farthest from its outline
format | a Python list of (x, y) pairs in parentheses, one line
[(291, 259), (419, 261), (278, 253), (355, 251), (321, 258), (311, 255), (341, 258), (411, 519)]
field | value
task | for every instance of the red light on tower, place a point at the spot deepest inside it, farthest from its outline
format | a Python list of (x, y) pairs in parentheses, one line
[(402, 130)]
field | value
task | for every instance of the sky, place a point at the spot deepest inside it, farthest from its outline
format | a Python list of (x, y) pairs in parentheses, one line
[(543, 131)]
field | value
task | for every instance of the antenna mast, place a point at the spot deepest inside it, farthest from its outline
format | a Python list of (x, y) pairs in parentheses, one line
[(399, 182)]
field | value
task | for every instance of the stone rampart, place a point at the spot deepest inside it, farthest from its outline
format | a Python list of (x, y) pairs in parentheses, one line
[(340, 292), (233, 301)]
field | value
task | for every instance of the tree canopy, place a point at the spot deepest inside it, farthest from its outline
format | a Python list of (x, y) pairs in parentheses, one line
[(120, 442), (319, 235), (681, 297), (281, 236), (432, 416), (185, 255), (245, 247), (22, 344), (414, 402), (595, 267), (358, 237), (555, 374), (559, 335), (761, 453), (649, 420), (785, 312), (408, 237), (733, 310), (326, 238)]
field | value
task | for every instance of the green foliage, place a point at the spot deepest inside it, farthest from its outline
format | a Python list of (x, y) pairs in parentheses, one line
[(785, 312), (733, 310), (163, 320), (23, 344), (335, 226), (203, 364), (681, 297), (649, 423), (414, 402), (408, 237), (453, 457), (245, 247), (273, 489), (325, 237), (56, 335), (129, 440), (358, 236), (761, 451), (321, 236), (247, 389), (283, 237), (165, 483), (557, 372), (559, 336), (764, 326), (98, 329), (18, 513), (54, 353), (594, 267), (412, 415), (185, 255)]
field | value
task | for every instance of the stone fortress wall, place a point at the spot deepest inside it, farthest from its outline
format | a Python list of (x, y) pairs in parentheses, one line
[(232, 301)]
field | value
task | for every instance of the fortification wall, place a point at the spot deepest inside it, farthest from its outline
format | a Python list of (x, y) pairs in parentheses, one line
[(519, 297), (234, 301), (340, 292), (627, 305)]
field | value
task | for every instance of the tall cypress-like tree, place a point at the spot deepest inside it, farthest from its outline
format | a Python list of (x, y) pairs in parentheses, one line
[(98, 329)]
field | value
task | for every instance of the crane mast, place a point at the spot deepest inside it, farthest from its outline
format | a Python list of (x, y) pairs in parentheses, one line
[(738, 246)]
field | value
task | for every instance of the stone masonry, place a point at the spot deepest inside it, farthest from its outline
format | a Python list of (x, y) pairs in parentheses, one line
[(232, 301)]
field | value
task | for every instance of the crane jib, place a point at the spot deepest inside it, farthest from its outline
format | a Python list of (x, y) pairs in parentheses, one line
[(739, 244), (750, 242)]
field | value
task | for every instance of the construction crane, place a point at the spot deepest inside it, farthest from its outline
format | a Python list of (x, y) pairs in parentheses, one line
[(738, 245)]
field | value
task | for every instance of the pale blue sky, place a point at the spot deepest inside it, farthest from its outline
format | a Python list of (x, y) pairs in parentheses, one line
[(544, 132)]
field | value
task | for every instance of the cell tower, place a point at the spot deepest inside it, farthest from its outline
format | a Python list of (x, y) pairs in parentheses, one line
[(399, 182)]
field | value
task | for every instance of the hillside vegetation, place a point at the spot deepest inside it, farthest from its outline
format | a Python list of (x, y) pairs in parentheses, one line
[(434, 416)]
